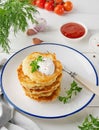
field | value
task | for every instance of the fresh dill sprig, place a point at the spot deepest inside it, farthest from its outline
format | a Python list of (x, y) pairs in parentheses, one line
[(15, 14), (74, 89)]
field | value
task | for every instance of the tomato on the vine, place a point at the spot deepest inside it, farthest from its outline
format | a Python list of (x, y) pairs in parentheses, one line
[(58, 6), (59, 9), (40, 3), (49, 5), (68, 6)]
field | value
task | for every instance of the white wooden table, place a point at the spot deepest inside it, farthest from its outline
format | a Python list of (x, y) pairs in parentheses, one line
[(86, 12)]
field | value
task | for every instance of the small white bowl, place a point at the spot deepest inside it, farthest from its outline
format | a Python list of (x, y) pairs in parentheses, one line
[(73, 31)]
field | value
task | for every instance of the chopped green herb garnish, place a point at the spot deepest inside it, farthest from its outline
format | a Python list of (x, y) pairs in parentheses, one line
[(74, 89), (39, 58), (34, 63), (90, 123)]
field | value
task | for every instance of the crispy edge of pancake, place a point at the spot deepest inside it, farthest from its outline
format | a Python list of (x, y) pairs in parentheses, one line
[(52, 97), (42, 92)]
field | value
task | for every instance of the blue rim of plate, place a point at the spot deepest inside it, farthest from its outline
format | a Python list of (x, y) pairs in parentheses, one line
[(49, 117)]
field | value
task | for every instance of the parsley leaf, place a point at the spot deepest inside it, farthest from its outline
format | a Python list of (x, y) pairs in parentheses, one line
[(90, 123), (15, 14), (74, 89), (34, 64)]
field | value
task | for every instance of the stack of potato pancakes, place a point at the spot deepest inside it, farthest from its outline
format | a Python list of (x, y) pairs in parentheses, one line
[(36, 84)]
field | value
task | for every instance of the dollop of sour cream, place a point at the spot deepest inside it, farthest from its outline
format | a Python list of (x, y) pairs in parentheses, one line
[(46, 66)]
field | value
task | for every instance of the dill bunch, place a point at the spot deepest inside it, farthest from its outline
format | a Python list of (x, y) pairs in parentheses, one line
[(15, 14)]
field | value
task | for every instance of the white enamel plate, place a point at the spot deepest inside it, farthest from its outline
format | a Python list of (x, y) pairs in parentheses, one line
[(72, 59)]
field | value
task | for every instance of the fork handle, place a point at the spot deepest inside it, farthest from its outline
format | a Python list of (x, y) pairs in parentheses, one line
[(92, 87)]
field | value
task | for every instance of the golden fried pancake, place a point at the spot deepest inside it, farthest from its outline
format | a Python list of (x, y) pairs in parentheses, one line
[(44, 91), (28, 83), (37, 76), (38, 85), (45, 94), (52, 97)]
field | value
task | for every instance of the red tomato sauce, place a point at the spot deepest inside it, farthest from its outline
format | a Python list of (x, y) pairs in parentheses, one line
[(73, 30)]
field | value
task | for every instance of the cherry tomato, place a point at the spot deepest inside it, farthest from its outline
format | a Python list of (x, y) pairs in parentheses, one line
[(40, 3), (68, 6), (59, 9), (49, 5), (58, 1)]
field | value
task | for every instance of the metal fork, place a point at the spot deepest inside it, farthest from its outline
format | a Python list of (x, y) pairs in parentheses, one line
[(92, 87)]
